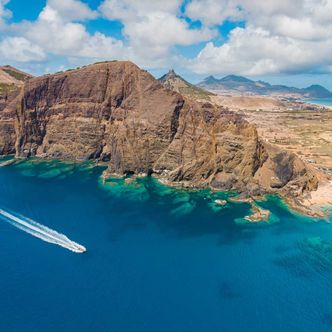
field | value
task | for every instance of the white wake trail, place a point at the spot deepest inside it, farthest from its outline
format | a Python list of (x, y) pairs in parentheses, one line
[(40, 231)]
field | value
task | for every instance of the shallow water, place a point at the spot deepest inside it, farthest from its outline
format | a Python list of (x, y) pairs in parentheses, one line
[(158, 259)]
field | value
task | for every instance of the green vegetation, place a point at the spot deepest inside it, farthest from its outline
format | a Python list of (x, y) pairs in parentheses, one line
[(193, 91), (100, 62), (17, 75), (5, 89)]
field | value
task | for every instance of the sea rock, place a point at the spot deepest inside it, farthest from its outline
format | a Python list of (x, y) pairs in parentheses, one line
[(221, 202), (117, 113), (7, 162), (258, 214), (242, 199)]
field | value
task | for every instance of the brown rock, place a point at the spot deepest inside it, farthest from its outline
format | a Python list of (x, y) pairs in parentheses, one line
[(258, 214)]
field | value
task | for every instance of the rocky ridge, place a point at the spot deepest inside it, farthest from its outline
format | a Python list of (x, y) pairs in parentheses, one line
[(119, 114), (175, 82)]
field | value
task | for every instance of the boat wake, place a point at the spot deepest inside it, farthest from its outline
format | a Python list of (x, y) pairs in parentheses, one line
[(40, 231)]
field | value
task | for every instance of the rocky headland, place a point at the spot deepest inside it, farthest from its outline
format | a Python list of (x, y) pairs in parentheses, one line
[(118, 114)]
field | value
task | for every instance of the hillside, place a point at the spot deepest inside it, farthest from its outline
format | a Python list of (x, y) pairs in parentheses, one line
[(10, 75), (175, 82), (10, 80), (239, 85)]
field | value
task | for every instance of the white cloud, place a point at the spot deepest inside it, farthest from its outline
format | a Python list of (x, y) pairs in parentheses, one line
[(255, 51), (57, 32), (152, 30), (56, 35), (4, 13), (72, 10), (213, 12), (280, 36), (153, 27), (20, 49)]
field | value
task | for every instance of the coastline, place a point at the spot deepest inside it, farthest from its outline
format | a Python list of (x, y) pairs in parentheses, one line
[(316, 205), (326, 102)]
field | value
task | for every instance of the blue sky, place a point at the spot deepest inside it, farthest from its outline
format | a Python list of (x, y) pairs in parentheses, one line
[(278, 41)]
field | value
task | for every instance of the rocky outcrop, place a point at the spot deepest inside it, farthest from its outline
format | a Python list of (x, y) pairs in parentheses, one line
[(175, 82), (121, 115)]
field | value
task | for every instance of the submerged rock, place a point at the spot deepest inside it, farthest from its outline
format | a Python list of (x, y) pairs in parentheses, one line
[(318, 252), (183, 209), (7, 162), (221, 202)]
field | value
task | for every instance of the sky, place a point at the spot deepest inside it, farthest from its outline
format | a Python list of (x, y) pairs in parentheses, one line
[(279, 41)]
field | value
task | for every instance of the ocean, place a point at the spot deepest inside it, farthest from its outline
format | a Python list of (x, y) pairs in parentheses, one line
[(158, 259), (320, 101)]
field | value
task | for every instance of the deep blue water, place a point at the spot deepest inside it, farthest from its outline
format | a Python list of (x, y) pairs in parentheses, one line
[(158, 259)]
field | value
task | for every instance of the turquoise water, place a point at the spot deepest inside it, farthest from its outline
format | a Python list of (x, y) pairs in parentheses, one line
[(158, 259), (321, 101)]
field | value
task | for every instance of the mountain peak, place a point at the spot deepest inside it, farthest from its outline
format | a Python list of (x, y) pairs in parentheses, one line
[(171, 74), (210, 80), (235, 78), (175, 82), (318, 91)]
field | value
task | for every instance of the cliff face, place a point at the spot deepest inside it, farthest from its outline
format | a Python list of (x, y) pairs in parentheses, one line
[(117, 113), (11, 80), (8, 120)]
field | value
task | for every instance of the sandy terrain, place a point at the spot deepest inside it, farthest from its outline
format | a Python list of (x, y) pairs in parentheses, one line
[(248, 102), (300, 128), (297, 127)]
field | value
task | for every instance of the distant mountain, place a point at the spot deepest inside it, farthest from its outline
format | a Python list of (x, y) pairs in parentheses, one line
[(175, 82), (318, 91), (233, 84), (234, 78)]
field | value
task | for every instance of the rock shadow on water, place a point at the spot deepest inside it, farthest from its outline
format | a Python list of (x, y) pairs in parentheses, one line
[(183, 209), (308, 257), (228, 291), (123, 226), (175, 212), (52, 169), (327, 319), (294, 264), (282, 249), (195, 214), (318, 253), (202, 222), (120, 188)]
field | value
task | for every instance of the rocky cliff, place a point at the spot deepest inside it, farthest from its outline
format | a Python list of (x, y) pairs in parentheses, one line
[(121, 115), (11, 79)]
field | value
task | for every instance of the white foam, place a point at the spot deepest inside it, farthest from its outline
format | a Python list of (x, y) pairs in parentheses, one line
[(40, 231)]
